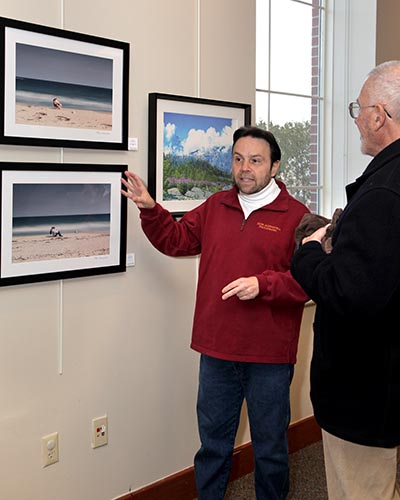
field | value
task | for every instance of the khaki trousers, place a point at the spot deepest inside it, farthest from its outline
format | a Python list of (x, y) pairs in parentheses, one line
[(356, 472)]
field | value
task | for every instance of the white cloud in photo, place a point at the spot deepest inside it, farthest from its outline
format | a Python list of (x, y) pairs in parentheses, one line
[(199, 141)]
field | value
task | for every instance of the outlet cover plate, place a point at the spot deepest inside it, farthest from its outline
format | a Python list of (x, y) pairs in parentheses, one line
[(50, 452), (99, 431)]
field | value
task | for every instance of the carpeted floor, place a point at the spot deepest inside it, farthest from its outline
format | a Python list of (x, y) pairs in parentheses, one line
[(307, 477)]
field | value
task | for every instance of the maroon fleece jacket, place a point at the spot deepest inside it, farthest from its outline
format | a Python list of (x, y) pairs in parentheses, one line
[(265, 329)]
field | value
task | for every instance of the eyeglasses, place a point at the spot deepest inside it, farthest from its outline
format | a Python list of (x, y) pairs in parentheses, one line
[(355, 108)]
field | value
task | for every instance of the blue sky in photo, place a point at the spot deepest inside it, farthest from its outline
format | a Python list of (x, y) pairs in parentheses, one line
[(195, 134)]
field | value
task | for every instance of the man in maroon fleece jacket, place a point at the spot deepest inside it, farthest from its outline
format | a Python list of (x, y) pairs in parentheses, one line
[(248, 309)]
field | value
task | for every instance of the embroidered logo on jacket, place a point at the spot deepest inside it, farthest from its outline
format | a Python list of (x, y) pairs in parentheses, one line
[(268, 227)]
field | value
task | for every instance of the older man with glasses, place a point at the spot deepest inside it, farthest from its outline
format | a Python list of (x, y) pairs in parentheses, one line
[(355, 368)]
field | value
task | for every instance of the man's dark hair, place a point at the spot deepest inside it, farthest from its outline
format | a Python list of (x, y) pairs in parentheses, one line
[(259, 133)]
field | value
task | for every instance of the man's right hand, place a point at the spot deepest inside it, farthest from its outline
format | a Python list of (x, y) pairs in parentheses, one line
[(137, 191), (317, 235)]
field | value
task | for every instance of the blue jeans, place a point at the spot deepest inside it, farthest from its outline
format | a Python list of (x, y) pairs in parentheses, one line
[(223, 385)]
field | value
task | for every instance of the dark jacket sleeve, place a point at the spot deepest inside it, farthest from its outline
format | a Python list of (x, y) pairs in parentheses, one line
[(363, 270)]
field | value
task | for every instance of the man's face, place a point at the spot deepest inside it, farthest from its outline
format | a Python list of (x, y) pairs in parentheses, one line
[(251, 164), (367, 122)]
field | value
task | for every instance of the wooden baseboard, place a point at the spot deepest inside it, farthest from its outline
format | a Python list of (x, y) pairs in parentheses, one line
[(181, 486)]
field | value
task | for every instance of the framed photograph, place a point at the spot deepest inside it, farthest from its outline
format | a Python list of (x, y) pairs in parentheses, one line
[(61, 221), (190, 144), (60, 88)]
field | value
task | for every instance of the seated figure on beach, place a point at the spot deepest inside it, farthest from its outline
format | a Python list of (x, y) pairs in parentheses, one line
[(54, 231), (57, 103)]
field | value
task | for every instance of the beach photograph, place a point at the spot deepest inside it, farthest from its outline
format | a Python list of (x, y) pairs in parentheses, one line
[(53, 221), (58, 88)]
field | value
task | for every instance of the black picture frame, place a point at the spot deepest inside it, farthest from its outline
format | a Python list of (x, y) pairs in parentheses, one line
[(186, 129), (61, 221), (44, 66)]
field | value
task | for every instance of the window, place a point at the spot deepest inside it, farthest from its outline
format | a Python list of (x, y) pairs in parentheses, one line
[(289, 89)]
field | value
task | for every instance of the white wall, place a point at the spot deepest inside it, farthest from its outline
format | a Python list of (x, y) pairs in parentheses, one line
[(123, 345), (125, 337)]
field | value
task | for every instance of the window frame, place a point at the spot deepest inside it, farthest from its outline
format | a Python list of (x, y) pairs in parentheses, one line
[(348, 53)]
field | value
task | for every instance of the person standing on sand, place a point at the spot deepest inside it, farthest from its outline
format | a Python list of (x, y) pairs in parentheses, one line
[(56, 103)]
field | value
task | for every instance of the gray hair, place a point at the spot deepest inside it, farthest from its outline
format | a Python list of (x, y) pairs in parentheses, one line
[(384, 86)]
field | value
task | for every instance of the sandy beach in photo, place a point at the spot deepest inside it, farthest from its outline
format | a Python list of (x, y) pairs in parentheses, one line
[(69, 246), (27, 114)]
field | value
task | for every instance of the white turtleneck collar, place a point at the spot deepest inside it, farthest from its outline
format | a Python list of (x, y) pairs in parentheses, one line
[(251, 202)]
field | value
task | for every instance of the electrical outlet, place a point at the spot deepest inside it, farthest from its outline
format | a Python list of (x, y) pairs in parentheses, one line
[(50, 449), (99, 431)]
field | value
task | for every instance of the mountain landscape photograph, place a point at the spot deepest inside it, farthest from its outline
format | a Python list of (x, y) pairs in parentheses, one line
[(196, 156)]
